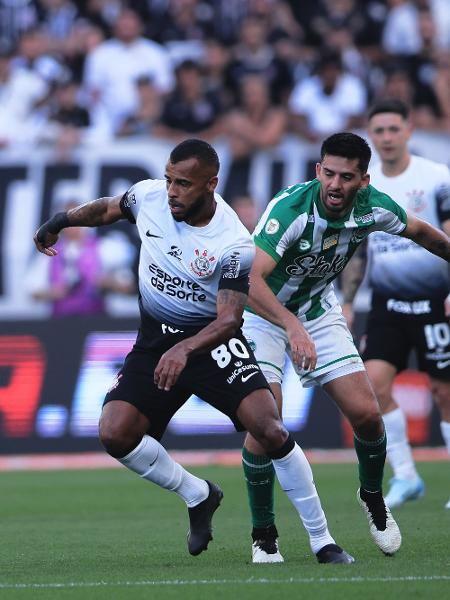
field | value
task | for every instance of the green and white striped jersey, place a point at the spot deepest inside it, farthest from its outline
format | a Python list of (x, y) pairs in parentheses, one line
[(310, 249)]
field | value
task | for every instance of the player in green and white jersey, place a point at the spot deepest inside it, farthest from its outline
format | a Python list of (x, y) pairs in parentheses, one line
[(303, 241)]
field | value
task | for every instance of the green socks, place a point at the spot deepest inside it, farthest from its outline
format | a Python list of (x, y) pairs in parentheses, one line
[(371, 458), (259, 476)]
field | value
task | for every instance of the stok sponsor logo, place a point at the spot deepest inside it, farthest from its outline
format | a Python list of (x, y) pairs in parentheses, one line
[(240, 370), (175, 287), (312, 265)]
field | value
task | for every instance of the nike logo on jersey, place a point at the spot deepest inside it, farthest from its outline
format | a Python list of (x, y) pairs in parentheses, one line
[(245, 378), (441, 364), (148, 234)]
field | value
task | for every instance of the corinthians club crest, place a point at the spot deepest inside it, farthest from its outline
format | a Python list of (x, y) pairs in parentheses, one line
[(202, 264)]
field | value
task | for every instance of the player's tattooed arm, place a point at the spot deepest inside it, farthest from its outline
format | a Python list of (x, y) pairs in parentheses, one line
[(102, 211), (353, 274), (427, 236)]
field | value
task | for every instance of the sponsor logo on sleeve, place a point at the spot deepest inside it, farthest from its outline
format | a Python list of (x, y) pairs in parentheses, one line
[(233, 267), (129, 200), (272, 226)]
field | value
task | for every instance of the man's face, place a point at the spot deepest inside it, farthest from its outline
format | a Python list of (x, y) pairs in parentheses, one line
[(189, 188), (390, 133), (340, 179)]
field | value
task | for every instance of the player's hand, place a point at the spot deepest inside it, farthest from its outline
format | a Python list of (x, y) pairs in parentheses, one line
[(169, 367), (45, 241), (303, 349), (347, 311)]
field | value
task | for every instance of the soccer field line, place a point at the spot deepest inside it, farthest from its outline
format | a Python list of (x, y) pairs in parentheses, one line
[(247, 581)]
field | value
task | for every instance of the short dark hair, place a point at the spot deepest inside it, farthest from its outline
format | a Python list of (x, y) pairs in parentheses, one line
[(348, 145), (389, 105), (194, 148)]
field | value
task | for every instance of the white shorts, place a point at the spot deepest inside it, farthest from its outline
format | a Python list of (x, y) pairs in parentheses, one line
[(336, 352)]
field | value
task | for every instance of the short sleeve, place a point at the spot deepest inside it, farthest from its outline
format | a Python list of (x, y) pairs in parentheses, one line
[(389, 217), (236, 266), (131, 201), (278, 229)]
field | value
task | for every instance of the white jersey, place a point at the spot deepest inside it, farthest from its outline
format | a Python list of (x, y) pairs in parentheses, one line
[(181, 267), (398, 267)]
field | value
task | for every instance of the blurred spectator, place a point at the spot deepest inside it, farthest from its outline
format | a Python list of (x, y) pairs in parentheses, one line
[(401, 31), (214, 64), (425, 111), (16, 16), (113, 68), (101, 13), (331, 100), (254, 54), (148, 112), (256, 124), (86, 268), (441, 86), (20, 91), (82, 40), (33, 54), (247, 211), (57, 18), (190, 109)]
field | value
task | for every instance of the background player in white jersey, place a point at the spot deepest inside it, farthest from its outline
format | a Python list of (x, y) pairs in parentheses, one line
[(194, 265), (303, 241), (410, 302)]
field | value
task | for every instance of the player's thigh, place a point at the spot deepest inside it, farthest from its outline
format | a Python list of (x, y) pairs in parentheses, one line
[(381, 375), (269, 343), (387, 336), (336, 351), (355, 398), (224, 376), (135, 386)]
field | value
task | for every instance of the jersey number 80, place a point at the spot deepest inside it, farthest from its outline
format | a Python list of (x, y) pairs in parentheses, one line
[(223, 354)]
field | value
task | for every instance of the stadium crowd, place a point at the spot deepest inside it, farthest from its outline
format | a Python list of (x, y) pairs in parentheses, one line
[(86, 72)]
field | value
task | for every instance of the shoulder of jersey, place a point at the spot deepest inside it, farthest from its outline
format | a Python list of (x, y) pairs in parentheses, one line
[(232, 219), (430, 166)]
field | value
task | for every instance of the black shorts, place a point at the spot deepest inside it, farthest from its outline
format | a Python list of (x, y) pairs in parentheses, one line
[(222, 377), (396, 327)]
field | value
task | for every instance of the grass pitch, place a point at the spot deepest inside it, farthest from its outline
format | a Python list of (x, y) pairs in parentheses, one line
[(108, 535)]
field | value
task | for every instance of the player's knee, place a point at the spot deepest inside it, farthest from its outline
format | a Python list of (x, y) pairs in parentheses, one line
[(116, 440), (369, 425), (272, 435), (440, 391)]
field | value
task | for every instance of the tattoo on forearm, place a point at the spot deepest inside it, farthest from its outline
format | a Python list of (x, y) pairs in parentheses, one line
[(351, 278), (231, 298), (89, 214), (440, 248)]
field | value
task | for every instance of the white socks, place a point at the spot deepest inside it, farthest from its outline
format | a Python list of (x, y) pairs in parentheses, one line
[(296, 479), (445, 430), (150, 461), (398, 450)]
